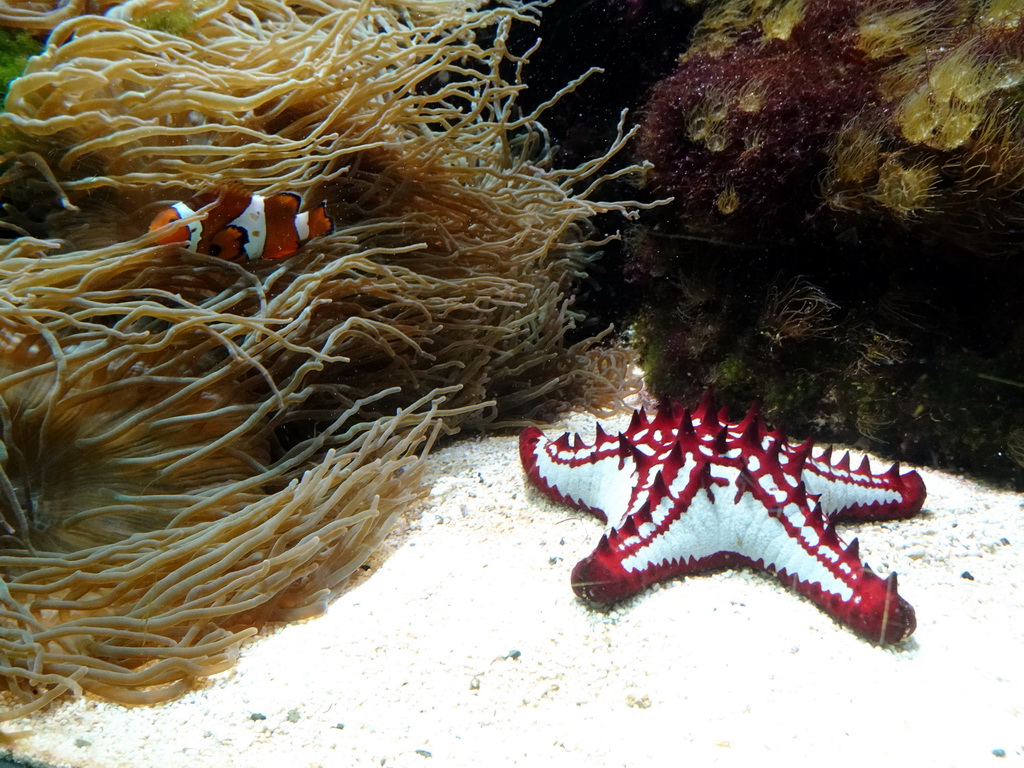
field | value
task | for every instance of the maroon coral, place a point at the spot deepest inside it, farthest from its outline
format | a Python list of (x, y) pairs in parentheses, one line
[(743, 133)]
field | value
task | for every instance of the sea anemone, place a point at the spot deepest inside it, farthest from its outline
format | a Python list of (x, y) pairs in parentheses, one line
[(100, 445), (153, 520), (301, 395)]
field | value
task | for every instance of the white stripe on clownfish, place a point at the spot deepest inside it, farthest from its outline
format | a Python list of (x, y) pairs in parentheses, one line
[(195, 229)]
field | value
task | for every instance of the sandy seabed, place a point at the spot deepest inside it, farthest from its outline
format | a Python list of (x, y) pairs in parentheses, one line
[(463, 645)]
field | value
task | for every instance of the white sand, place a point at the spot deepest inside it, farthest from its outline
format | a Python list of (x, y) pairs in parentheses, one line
[(464, 646)]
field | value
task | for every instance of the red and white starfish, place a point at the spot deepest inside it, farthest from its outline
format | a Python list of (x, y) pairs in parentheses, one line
[(684, 493)]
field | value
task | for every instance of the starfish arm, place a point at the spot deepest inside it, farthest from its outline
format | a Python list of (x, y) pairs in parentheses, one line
[(832, 575), (593, 478), (860, 494), (613, 477), (876, 611)]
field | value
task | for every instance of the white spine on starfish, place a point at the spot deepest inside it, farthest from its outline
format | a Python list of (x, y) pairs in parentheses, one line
[(705, 529), (791, 479), (601, 485)]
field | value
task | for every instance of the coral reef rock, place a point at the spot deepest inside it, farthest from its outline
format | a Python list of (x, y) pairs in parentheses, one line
[(847, 231)]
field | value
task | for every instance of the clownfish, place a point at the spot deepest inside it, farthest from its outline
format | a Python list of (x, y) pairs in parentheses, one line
[(243, 227)]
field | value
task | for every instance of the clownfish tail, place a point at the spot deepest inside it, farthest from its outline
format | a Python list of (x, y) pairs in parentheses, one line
[(319, 222)]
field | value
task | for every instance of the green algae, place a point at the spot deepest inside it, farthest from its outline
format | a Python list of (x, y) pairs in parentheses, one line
[(177, 22), (16, 47)]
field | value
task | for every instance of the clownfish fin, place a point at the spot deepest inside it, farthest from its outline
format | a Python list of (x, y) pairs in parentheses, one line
[(230, 203), (318, 222), (229, 244), (289, 201)]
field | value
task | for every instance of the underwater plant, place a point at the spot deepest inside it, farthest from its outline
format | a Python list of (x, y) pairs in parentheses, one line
[(303, 393), (875, 150)]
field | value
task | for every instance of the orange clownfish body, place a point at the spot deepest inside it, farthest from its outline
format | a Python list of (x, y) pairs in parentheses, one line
[(244, 227)]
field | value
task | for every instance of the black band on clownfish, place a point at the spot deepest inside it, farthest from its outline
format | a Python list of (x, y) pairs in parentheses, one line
[(243, 227)]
